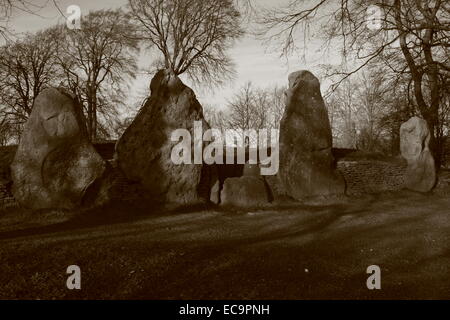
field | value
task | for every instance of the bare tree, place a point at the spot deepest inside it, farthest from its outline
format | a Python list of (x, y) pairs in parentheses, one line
[(366, 111), (248, 109), (411, 36), (253, 108), (97, 62), (191, 35), (27, 66), (7, 7), (215, 117), (343, 110), (374, 101), (256, 108), (277, 105)]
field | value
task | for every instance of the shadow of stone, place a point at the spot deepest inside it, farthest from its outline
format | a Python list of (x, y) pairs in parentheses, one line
[(116, 212)]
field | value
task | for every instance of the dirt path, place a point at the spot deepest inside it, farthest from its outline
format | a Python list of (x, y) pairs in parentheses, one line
[(291, 253)]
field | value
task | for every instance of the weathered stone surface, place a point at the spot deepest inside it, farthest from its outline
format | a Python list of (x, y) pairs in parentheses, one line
[(215, 193), (306, 161), (252, 170), (144, 150), (55, 163), (246, 191), (276, 188), (414, 146)]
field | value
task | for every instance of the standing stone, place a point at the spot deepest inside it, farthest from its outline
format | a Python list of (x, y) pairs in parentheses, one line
[(246, 191), (215, 192), (144, 150), (414, 145), (55, 164), (277, 193), (306, 162), (252, 170)]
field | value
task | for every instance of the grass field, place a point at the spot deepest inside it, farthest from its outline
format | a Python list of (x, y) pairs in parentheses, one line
[(297, 252)]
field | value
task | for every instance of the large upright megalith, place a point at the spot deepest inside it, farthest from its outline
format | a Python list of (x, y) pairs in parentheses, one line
[(306, 162), (414, 146), (55, 163), (144, 150)]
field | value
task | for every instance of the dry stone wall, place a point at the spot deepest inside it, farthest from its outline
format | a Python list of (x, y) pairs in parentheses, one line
[(371, 176)]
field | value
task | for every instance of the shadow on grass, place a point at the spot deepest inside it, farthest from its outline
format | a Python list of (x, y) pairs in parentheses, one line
[(129, 212), (112, 213), (266, 259)]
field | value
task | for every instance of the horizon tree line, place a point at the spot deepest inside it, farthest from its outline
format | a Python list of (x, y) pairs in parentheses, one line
[(397, 70), (98, 61)]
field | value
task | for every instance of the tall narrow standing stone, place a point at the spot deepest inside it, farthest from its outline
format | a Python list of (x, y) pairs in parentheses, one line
[(306, 162), (414, 145), (144, 150)]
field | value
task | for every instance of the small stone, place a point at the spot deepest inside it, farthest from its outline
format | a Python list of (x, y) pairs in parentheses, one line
[(246, 191)]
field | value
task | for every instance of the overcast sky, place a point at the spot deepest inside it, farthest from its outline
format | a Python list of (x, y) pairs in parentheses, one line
[(254, 62)]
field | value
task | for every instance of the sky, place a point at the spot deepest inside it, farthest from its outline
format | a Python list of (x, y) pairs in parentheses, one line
[(254, 61)]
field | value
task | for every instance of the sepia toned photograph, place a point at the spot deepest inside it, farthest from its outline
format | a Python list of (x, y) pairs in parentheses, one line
[(224, 150)]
